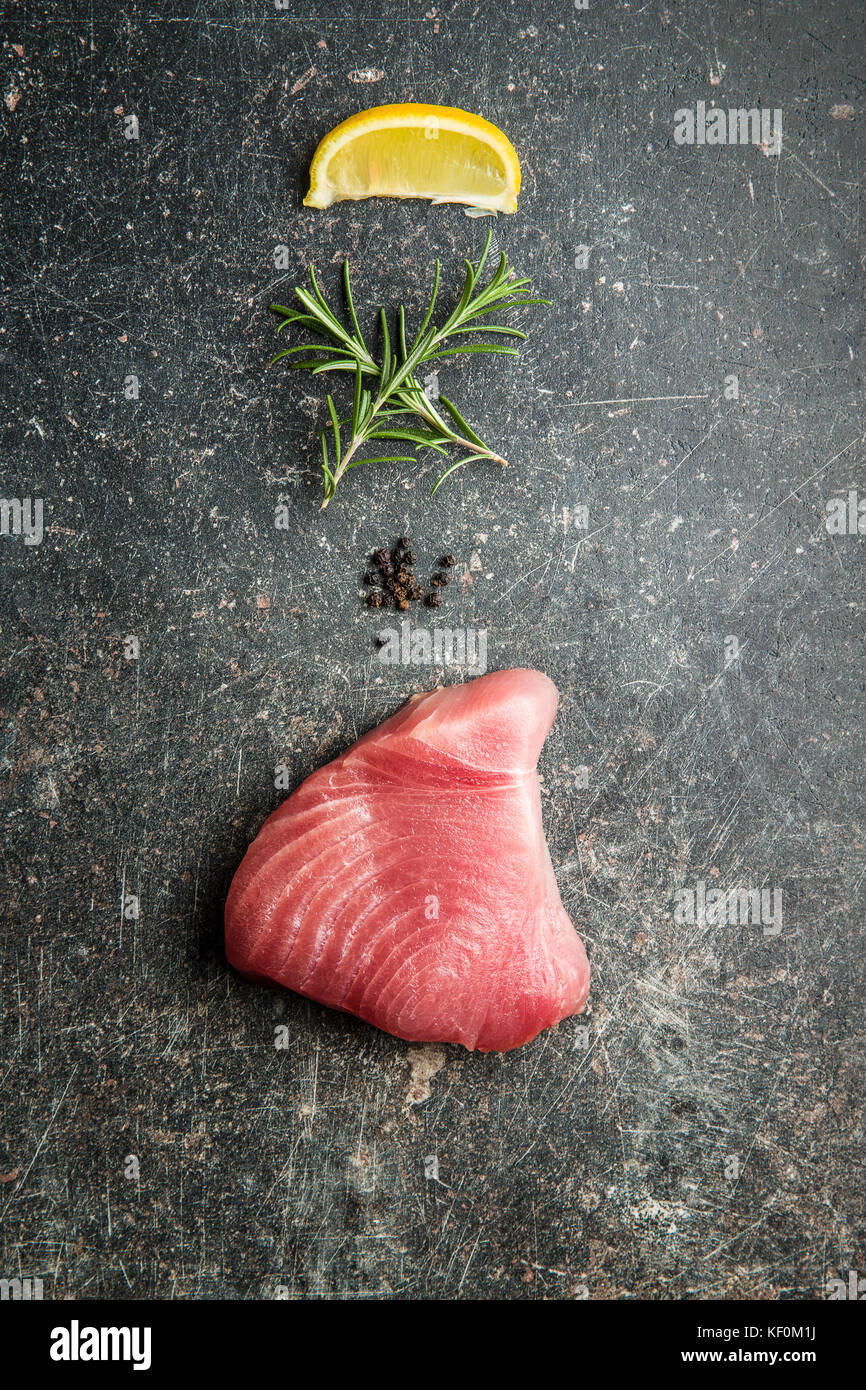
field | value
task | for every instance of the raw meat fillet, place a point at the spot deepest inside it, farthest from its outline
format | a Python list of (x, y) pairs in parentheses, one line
[(409, 881)]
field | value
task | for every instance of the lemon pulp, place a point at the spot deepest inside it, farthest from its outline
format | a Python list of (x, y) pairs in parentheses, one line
[(416, 151)]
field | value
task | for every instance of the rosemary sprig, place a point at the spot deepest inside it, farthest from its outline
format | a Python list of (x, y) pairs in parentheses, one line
[(394, 391)]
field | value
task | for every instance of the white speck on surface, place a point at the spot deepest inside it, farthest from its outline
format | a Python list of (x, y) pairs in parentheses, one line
[(424, 1063)]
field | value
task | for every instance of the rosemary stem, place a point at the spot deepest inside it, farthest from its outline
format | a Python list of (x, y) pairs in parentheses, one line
[(354, 445)]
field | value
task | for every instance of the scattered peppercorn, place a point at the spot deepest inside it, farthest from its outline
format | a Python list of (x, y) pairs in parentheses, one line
[(393, 572)]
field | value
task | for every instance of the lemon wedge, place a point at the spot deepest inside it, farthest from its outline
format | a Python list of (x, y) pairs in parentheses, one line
[(412, 150)]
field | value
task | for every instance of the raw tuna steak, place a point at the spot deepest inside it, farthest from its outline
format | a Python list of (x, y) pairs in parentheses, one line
[(409, 881)]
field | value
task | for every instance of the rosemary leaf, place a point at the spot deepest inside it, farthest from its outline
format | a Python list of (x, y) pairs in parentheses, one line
[(476, 347), (347, 286), (460, 422), (390, 458), (386, 349), (335, 425), (470, 458)]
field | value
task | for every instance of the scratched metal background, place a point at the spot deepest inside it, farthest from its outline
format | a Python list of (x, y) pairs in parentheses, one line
[(561, 1170)]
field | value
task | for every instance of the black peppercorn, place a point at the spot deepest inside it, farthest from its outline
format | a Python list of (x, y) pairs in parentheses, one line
[(394, 573)]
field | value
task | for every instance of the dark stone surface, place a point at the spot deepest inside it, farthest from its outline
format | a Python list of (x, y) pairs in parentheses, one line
[(560, 1169)]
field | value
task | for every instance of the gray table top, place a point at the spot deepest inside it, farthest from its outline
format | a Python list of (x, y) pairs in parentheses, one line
[(697, 387)]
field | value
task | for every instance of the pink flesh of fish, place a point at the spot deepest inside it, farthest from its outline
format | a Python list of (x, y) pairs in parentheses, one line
[(409, 881)]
